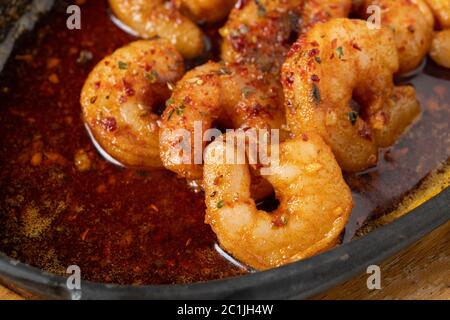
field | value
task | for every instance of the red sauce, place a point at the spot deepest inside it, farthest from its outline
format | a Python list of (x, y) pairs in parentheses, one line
[(134, 227)]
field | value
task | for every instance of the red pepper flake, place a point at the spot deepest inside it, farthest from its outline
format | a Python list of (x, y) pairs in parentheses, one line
[(280, 221), (314, 52), (109, 124), (315, 44), (304, 137), (411, 28), (355, 46), (289, 103), (129, 91), (315, 78), (97, 85), (294, 49)]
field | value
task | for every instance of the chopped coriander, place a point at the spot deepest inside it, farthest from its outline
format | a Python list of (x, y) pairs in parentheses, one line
[(261, 8), (318, 60), (353, 116), (246, 91), (169, 102), (151, 76), (179, 110), (316, 93), (122, 65), (220, 204), (340, 52)]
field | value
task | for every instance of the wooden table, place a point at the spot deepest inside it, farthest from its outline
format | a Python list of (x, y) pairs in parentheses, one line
[(420, 272)]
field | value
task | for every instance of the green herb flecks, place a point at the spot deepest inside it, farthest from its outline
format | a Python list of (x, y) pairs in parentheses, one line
[(316, 93), (247, 91), (179, 110), (122, 65), (261, 9), (353, 117), (151, 76)]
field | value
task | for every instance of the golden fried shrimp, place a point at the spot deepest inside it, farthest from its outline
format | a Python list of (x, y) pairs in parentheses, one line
[(259, 32), (159, 18), (229, 96), (121, 94), (334, 65), (412, 22), (440, 48), (441, 10), (315, 11), (205, 10), (315, 203)]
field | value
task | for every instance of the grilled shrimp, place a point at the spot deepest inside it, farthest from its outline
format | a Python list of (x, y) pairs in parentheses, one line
[(205, 10), (230, 96), (315, 203), (412, 22), (315, 11), (338, 82), (121, 94), (441, 10), (259, 32), (159, 18), (440, 48)]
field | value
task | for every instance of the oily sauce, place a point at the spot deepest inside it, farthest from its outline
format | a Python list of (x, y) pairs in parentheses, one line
[(62, 203)]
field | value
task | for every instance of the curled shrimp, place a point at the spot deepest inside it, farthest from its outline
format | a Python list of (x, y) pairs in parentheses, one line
[(121, 94), (335, 64), (440, 48), (159, 18), (412, 22), (315, 11), (205, 10), (259, 32), (315, 203), (441, 10), (228, 96)]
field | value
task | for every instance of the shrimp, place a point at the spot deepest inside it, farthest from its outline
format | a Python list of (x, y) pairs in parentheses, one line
[(205, 10), (441, 10), (230, 96), (259, 32), (315, 204), (121, 94), (412, 22), (159, 18), (315, 11), (440, 48), (338, 82)]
